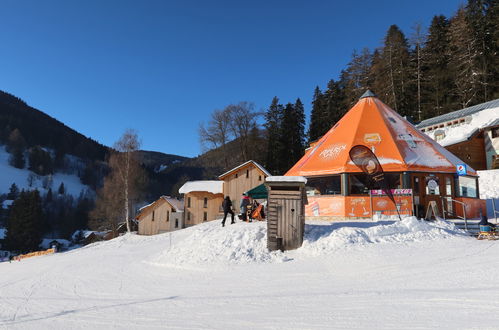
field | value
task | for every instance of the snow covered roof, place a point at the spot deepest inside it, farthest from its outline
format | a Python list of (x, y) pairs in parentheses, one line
[(286, 179), (6, 203), (243, 165), (458, 114), (45, 244), (176, 203), (211, 186), (84, 233), (454, 133)]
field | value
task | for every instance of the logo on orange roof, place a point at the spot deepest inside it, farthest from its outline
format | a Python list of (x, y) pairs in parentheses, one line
[(372, 138), (332, 152)]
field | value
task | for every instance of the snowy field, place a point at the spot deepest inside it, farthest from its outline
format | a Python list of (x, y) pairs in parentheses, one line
[(389, 275), (10, 175)]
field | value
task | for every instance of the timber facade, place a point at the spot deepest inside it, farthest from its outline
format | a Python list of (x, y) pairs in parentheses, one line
[(160, 216), (202, 206)]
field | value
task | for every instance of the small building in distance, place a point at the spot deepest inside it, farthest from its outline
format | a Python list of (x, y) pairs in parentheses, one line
[(160, 216), (472, 134), (241, 179), (202, 201)]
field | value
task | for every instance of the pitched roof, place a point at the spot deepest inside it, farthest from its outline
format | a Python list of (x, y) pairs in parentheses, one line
[(177, 204), (243, 165), (458, 114), (398, 145)]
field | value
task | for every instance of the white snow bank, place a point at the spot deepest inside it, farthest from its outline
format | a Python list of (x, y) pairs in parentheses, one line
[(286, 179), (211, 243), (324, 239), (241, 243), (214, 187), (488, 183)]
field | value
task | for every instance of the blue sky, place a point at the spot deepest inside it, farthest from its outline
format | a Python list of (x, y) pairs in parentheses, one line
[(161, 67)]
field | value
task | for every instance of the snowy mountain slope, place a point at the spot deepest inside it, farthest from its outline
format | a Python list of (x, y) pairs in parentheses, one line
[(10, 175), (347, 276)]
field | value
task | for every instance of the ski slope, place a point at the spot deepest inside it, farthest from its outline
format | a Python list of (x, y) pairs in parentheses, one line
[(387, 275)]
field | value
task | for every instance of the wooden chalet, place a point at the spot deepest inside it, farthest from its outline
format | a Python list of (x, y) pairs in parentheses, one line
[(202, 201), (160, 216), (472, 134), (241, 179)]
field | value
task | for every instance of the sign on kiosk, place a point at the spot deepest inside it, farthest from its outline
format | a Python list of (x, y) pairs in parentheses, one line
[(461, 169)]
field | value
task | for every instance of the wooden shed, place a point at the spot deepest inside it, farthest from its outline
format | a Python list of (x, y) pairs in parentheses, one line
[(241, 179), (156, 217), (202, 201), (285, 212)]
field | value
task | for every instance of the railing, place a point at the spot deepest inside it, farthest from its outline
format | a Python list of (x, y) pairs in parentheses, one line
[(444, 199)]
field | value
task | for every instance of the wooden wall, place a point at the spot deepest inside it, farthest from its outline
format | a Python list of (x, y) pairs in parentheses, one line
[(285, 217), (161, 223), (194, 214), (472, 152), (244, 179)]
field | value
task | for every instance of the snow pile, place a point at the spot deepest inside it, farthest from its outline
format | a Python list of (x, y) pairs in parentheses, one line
[(244, 243), (211, 243), (488, 182), (324, 239)]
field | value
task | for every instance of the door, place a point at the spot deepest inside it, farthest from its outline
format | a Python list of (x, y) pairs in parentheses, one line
[(427, 187)]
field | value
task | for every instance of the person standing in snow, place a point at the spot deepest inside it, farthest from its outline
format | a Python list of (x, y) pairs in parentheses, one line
[(227, 207), (245, 201)]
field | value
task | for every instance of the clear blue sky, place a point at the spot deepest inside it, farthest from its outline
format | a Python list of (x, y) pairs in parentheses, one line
[(161, 67)]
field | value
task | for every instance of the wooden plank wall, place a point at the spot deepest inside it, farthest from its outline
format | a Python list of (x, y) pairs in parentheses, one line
[(285, 219), (197, 208), (471, 152), (234, 187), (161, 223)]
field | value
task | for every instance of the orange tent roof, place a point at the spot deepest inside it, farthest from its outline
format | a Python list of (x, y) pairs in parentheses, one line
[(398, 145)]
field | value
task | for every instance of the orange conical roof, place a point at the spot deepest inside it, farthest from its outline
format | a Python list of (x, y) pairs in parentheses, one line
[(398, 145)]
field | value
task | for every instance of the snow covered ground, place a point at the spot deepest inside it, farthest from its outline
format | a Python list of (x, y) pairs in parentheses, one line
[(10, 175), (387, 275)]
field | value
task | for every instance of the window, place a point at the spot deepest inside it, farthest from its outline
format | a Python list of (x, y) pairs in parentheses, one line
[(247, 174), (432, 185), (176, 223), (188, 202), (236, 175), (448, 186), (259, 178), (167, 216), (360, 184), (152, 215), (205, 216), (467, 186), (205, 202), (329, 185), (495, 133), (188, 216)]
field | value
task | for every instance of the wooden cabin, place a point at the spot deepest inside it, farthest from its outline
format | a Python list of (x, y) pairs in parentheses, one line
[(423, 172), (202, 201), (157, 217), (241, 179), (472, 134)]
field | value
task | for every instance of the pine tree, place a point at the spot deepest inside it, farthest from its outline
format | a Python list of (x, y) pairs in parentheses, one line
[(25, 222), (16, 146), (273, 122), (315, 129), (437, 74), (62, 189), (355, 79), (334, 98), (292, 135), (13, 192)]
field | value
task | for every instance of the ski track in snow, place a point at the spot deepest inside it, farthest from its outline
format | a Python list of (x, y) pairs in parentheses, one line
[(386, 275)]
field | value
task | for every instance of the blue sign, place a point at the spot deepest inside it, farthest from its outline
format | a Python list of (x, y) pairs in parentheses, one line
[(461, 169)]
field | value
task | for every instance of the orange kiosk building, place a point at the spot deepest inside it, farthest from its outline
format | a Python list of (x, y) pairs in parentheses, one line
[(423, 172)]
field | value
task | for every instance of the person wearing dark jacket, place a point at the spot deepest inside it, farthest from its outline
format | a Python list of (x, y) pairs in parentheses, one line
[(227, 207), (245, 201)]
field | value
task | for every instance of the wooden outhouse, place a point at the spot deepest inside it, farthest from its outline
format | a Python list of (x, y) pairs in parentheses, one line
[(285, 212), (241, 179), (156, 218), (202, 201)]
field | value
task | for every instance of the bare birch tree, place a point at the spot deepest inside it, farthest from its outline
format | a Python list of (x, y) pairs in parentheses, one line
[(217, 133)]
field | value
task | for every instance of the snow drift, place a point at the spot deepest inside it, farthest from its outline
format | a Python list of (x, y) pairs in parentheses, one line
[(241, 243)]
